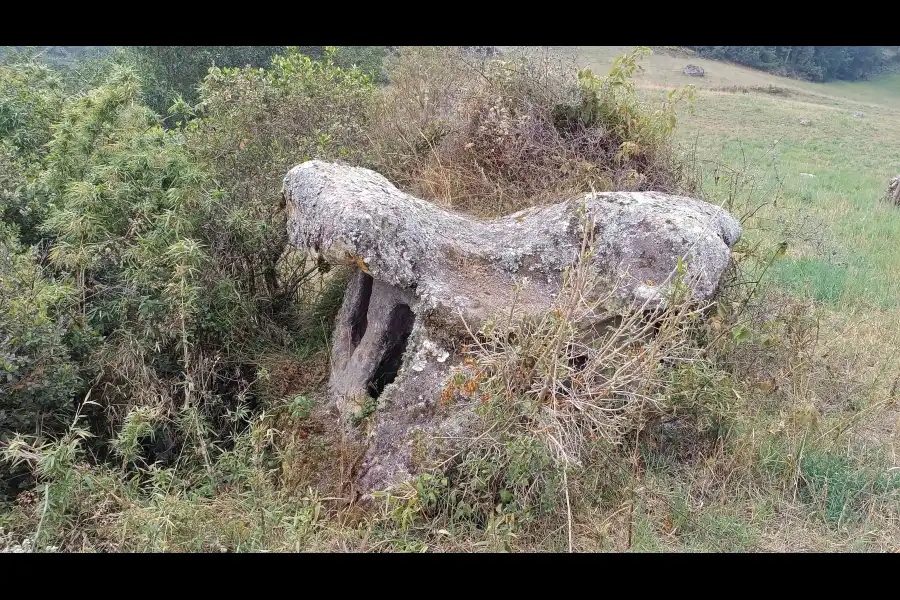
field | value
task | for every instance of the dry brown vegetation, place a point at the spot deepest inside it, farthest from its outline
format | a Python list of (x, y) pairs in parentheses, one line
[(492, 136)]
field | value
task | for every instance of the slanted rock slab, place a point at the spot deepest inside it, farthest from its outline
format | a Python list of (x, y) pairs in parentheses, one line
[(427, 277)]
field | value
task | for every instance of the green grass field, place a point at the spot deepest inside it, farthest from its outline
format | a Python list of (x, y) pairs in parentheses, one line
[(818, 187), (829, 175)]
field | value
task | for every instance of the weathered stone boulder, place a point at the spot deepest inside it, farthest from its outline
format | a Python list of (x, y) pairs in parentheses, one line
[(694, 71), (893, 192), (427, 277), (482, 52)]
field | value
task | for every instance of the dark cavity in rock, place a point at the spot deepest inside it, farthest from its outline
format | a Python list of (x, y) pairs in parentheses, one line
[(400, 325), (359, 319)]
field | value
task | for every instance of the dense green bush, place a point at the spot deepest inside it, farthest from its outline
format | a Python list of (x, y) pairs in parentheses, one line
[(172, 241), (38, 376), (368, 59), (31, 97), (29, 102), (173, 71), (175, 238), (38, 379), (255, 124), (125, 213)]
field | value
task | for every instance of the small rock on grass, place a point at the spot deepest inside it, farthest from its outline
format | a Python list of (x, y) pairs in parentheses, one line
[(693, 71)]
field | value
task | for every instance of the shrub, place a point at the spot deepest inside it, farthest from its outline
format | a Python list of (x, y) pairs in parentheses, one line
[(176, 239), (254, 125), (31, 97), (173, 72), (38, 377), (125, 217), (176, 71), (368, 59), (493, 136)]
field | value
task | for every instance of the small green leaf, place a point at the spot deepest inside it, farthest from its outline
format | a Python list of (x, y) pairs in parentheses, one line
[(739, 332)]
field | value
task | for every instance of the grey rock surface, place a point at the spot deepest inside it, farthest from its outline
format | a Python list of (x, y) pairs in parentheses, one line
[(482, 52), (427, 277), (893, 192), (694, 71)]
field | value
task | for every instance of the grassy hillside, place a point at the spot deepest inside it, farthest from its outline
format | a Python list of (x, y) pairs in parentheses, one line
[(833, 171), (818, 187)]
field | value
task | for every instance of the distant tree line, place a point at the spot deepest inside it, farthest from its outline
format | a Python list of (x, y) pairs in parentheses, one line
[(816, 63), (170, 72), (177, 70)]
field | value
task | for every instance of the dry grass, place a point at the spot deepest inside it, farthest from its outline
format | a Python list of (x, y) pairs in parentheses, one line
[(590, 374), (491, 137)]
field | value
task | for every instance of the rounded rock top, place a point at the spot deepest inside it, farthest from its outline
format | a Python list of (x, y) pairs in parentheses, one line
[(693, 71)]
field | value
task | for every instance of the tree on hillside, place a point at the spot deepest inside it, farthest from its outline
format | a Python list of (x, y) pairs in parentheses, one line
[(817, 63), (172, 71)]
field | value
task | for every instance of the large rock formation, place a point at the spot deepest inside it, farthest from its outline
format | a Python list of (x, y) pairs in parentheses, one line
[(427, 276)]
